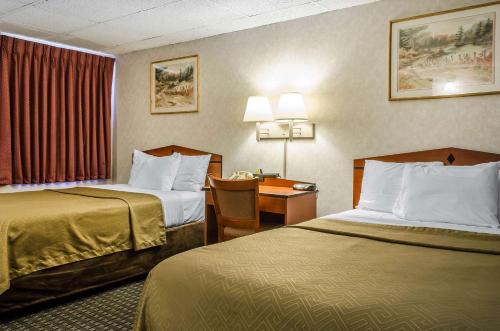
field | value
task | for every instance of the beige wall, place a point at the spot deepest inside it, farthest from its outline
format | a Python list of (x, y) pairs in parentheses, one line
[(339, 60)]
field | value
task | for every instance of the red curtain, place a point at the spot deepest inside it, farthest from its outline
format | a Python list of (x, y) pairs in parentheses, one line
[(55, 113)]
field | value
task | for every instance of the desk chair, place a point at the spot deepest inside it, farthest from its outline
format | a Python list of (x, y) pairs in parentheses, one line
[(236, 205)]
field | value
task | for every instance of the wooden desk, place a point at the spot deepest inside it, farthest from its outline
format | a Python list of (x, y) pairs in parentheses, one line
[(279, 204)]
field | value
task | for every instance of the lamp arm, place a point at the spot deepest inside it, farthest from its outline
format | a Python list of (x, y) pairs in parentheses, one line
[(285, 148)]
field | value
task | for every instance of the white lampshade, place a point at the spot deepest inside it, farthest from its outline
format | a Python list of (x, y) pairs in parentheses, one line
[(258, 110), (291, 107)]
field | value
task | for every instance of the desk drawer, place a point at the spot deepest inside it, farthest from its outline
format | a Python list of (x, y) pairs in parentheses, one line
[(272, 204), (266, 203)]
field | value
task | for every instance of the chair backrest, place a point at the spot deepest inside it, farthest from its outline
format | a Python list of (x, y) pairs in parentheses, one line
[(236, 202)]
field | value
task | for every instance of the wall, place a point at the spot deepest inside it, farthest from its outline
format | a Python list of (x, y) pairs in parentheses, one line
[(339, 60)]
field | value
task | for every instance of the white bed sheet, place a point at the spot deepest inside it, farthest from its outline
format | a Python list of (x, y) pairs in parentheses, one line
[(376, 217), (179, 207)]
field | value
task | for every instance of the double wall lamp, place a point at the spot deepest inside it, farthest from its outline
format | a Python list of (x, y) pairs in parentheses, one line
[(289, 123)]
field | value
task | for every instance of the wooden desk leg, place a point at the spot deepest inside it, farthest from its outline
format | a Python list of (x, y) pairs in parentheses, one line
[(300, 209), (211, 235)]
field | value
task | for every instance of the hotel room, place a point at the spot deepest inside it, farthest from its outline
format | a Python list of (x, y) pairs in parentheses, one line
[(249, 164)]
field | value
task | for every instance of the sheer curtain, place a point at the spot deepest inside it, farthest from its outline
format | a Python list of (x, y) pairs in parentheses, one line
[(55, 113)]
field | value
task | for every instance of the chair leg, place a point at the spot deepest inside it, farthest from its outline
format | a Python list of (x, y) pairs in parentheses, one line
[(220, 233)]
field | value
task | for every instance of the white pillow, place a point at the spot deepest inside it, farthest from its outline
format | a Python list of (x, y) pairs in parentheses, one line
[(381, 184), (192, 173), (137, 159), (466, 195), (155, 173)]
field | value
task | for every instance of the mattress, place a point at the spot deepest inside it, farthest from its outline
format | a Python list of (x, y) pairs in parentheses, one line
[(179, 207), (377, 217)]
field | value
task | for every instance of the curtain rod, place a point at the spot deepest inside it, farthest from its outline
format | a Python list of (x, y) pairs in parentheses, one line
[(56, 44)]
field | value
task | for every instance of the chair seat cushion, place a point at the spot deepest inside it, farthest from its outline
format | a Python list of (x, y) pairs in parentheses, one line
[(230, 233)]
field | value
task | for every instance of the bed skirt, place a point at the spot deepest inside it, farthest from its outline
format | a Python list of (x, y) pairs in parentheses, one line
[(64, 280)]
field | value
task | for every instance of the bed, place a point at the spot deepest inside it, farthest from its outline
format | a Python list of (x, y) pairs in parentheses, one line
[(143, 227), (355, 270)]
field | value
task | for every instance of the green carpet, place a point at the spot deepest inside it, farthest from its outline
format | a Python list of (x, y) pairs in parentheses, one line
[(109, 309)]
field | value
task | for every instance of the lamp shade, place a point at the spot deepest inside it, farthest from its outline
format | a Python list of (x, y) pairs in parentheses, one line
[(258, 110), (291, 107)]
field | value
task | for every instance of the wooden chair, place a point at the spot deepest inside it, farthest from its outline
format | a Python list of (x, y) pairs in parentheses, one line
[(236, 205)]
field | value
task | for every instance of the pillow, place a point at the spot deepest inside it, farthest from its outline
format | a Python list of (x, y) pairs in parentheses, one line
[(192, 173), (381, 184), (155, 173), (466, 195), (137, 159)]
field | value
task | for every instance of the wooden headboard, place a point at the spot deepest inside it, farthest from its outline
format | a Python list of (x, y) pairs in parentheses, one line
[(450, 156), (214, 167)]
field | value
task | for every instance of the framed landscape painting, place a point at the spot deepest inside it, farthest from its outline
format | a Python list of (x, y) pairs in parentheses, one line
[(174, 85), (446, 54)]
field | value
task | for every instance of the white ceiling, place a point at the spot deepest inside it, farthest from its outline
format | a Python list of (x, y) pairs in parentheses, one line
[(121, 26)]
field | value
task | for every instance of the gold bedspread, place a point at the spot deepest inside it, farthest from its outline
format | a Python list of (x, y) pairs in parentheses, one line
[(330, 275), (43, 229)]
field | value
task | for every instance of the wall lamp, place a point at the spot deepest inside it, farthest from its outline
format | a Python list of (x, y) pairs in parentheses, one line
[(290, 120), (258, 110)]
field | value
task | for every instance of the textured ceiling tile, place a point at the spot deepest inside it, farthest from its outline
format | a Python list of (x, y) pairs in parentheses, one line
[(148, 4), (109, 35), (220, 28), (289, 13), (191, 34), (267, 18), (256, 7), (23, 30), (339, 4), (195, 12), (40, 19), (138, 24), (169, 19), (134, 46), (27, 2), (92, 10), (8, 5)]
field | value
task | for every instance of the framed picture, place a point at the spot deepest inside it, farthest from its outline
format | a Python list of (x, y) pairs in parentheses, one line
[(446, 54), (174, 85)]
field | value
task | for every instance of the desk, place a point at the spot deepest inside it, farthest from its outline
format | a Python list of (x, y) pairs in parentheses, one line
[(279, 204)]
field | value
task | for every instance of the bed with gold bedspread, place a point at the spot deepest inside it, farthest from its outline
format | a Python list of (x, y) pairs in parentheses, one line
[(94, 222), (330, 275), (54, 243)]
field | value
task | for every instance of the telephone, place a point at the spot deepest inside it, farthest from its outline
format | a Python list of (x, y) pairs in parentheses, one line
[(241, 175), (304, 187)]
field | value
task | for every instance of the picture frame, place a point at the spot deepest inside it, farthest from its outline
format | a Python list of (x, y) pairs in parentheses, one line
[(451, 53), (174, 85)]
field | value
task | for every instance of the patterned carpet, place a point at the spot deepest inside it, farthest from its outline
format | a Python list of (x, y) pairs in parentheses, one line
[(110, 309)]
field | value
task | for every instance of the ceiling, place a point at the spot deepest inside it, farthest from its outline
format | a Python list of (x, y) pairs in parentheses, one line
[(122, 26)]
